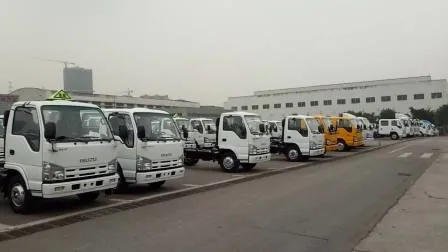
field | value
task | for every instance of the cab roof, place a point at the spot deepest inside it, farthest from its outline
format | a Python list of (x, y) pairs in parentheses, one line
[(54, 103), (299, 116), (136, 110), (201, 118), (239, 113)]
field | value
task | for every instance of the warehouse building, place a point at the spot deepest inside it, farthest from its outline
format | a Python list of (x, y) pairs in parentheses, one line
[(179, 107), (367, 96)]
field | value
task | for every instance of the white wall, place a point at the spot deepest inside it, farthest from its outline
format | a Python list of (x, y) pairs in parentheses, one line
[(407, 87)]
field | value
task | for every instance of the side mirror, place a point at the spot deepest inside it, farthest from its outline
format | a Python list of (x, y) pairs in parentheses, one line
[(141, 132), (331, 128), (262, 128), (50, 130), (123, 132), (370, 127), (320, 129), (209, 128), (5, 118), (358, 127), (185, 132)]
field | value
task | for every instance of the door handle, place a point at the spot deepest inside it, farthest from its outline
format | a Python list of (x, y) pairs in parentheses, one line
[(224, 139), (288, 137), (12, 152)]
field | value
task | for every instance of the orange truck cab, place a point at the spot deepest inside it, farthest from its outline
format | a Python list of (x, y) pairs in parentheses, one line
[(349, 135), (331, 138)]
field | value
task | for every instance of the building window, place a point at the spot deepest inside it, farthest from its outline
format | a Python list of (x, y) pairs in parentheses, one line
[(370, 99), (327, 102), (277, 105), (288, 105), (254, 107), (265, 106), (356, 100), (301, 104), (244, 108), (314, 103), (402, 97), (436, 95), (385, 98), (341, 101), (419, 96), (234, 108)]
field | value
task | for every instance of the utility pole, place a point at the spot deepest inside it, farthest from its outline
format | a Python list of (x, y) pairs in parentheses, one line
[(9, 86)]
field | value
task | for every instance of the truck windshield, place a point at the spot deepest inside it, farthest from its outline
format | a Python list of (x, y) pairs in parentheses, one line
[(211, 124), (313, 125), (183, 123), (77, 123), (157, 126), (253, 122)]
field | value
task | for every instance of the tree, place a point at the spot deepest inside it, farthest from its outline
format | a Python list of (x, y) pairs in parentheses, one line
[(387, 114), (441, 115), (370, 116), (422, 114)]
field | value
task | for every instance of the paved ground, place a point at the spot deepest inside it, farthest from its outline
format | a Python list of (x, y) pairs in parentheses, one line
[(325, 207), (419, 221), (201, 174)]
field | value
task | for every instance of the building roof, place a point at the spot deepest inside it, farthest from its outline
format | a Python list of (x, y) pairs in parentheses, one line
[(346, 85)]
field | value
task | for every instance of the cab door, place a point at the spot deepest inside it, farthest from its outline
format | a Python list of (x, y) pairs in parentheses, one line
[(233, 135), (297, 132)]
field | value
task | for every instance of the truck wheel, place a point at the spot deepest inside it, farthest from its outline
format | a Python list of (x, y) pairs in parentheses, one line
[(293, 154), (88, 197), (248, 167), (19, 197), (190, 161), (229, 163), (394, 136), (342, 146), (156, 185)]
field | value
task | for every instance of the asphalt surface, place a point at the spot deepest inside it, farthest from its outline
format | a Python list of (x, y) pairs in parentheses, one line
[(325, 207)]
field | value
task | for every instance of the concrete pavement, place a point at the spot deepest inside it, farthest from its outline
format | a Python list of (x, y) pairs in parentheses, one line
[(419, 221), (326, 207)]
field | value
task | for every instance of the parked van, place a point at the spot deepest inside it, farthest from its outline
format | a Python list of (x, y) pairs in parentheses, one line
[(204, 132), (349, 134), (393, 128), (329, 129)]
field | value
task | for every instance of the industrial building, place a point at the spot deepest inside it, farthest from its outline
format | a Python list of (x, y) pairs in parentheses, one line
[(179, 107), (367, 96), (6, 100)]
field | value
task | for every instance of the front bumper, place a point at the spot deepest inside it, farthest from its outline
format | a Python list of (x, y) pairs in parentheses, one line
[(259, 158), (64, 189), (317, 152), (155, 176)]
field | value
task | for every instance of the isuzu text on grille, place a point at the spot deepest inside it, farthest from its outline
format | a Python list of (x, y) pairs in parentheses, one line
[(87, 160)]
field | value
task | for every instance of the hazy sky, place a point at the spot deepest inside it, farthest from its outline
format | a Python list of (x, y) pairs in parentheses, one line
[(207, 50)]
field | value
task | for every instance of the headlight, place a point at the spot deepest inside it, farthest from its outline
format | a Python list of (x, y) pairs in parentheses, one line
[(252, 149), (112, 166), (313, 145), (143, 164), (52, 172)]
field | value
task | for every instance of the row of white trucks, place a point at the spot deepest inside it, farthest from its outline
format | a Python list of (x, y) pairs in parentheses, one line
[(59, 148)]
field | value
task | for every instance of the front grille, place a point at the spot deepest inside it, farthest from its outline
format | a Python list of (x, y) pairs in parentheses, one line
[(156, 165), (81, 172)]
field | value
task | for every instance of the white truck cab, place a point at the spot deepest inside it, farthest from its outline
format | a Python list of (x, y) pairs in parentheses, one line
[(301, 138), (275, 129), (241, 141), (186, 132), (391, 127), (204, 132), (152, 149), (406, 122), (50, 154), (368, 129)]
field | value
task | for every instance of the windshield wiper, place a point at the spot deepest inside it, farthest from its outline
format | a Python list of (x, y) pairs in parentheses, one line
[(61, 138), (95, 138)]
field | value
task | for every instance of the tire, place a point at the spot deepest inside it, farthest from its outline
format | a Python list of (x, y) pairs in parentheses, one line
[(394, 136), (248, 167), (19, 198), (190, 161), (157, 185), (229, 162), (293, 154), (88, 197), (342, 146)]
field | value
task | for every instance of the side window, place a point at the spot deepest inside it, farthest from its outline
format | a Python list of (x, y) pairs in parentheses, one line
[(26, 123), (384, 123), (293, 124), (394, 123), (125, 120), (197, 125), (235, 124)]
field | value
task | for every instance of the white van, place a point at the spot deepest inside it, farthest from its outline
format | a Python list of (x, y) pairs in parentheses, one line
[(392, 128)]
